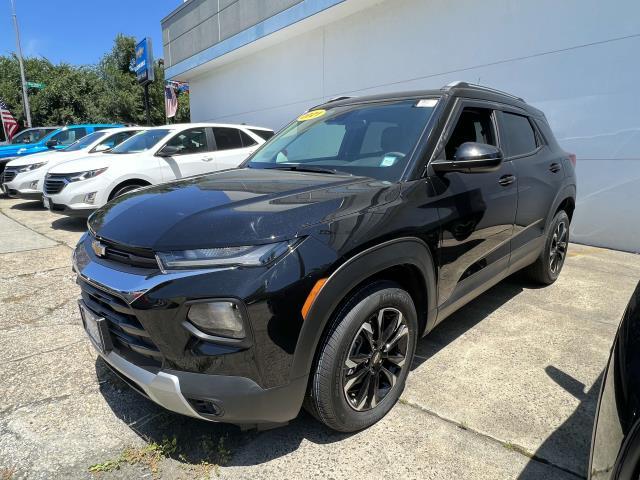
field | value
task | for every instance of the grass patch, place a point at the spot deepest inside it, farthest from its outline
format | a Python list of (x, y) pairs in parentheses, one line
[(517, 448), (148, 456), (210, 454), (7, 473)]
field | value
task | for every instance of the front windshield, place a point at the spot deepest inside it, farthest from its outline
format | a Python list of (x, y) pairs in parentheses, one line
[(142, 141), (31, 135), (373, 140), (85, 141)]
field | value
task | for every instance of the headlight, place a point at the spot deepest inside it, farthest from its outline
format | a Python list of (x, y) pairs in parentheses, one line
[(33, 166), (222, 318), (77, 177), (249, 256)]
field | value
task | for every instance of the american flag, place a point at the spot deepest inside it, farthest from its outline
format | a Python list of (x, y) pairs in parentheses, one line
[(9, 123), (170, 100)]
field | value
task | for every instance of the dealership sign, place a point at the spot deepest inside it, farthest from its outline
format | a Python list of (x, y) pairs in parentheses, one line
[(144, 61)]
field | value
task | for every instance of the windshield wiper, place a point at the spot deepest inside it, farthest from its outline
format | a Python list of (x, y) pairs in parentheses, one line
[(308, 168)]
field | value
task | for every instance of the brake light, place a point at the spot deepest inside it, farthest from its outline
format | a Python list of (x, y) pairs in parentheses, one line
[(573, 158)]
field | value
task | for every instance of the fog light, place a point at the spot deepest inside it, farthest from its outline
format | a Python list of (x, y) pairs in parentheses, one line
[(218, 318), (33, 185), (90, 197)]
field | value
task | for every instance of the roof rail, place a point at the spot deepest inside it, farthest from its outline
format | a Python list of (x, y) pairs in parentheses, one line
[(460, 84), (331, 100)]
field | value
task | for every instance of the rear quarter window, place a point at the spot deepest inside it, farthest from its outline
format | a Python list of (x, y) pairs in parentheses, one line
[(518, 135)]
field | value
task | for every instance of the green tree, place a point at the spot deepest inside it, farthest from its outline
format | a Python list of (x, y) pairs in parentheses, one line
[(106, 92)]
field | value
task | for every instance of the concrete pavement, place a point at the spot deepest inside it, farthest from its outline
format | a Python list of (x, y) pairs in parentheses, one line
[(505, 388)]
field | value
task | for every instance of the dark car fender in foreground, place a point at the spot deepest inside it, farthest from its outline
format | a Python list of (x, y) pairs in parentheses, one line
[(615, 448)]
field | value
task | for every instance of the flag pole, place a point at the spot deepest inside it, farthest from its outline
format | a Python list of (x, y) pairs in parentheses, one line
[(25, 97)]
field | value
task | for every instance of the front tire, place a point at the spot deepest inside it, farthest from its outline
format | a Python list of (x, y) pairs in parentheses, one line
[(549, 264), (365, 358)]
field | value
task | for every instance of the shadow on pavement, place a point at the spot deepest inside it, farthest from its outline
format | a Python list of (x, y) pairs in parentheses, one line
[(572, 439), (70, 224), (200, 441), (29, 206), (469, 316)]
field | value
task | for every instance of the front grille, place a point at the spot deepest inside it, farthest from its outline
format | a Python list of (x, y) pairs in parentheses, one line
[(54, 183), (136, 257), (129, 337), (8, 175)]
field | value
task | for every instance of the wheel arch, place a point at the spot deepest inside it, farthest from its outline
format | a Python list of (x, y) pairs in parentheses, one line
[(565, 199), (407, 261), (130, 181)]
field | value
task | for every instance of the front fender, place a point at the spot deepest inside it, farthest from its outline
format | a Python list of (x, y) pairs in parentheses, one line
[(403, 251)]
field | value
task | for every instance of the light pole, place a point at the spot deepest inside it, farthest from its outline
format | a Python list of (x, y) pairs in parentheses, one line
[(25, 97)]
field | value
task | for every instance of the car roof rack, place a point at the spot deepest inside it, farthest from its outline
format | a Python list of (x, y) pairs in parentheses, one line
[(460, 84)]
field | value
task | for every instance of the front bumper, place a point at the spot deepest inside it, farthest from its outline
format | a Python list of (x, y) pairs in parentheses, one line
[(216, 398), (246, 383), (26, 185)]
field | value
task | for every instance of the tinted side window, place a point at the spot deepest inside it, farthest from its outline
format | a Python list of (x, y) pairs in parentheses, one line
[(247, 141), (519, 136), (227, 138), (116, 139), (67, 137), (474, 125), (190, 141), (266, 134)]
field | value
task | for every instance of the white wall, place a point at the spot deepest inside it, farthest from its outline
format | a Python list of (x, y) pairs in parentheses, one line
[(577, 60)]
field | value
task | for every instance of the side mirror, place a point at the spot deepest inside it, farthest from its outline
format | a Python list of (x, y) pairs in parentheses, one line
[(101, 148), (169, 151), (471, 157), (52, 144)]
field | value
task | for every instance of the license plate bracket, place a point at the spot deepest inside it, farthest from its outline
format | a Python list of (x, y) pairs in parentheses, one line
[(97, 328)]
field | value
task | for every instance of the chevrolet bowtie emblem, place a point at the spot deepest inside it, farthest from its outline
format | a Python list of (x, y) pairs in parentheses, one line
[(98, 248)]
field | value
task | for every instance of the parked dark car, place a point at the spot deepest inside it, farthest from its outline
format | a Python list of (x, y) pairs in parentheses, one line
[(615, 449), (308, 274)]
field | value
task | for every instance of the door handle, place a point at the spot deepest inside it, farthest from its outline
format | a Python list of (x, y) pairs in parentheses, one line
[(506, 180), (555, 167), (207, 159)]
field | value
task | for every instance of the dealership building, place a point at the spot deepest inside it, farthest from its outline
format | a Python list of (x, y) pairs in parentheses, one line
[(264, 62)]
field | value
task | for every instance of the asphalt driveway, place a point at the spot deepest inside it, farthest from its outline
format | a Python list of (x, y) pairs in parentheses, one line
[(505, 388)]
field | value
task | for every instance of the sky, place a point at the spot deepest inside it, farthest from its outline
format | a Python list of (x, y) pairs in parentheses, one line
[(79, 32)]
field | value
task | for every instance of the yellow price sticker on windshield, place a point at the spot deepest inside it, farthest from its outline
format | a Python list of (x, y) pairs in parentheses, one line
[(311, 115)]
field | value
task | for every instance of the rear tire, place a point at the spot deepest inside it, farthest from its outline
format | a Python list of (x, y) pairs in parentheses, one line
[(364, 359), (548, 266)]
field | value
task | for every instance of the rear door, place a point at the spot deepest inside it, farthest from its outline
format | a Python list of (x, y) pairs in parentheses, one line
[(477, 210), (539, 174), (233, 146), (195, 155)]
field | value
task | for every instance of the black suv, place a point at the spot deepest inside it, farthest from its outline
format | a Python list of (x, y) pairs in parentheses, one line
[(308, 274)]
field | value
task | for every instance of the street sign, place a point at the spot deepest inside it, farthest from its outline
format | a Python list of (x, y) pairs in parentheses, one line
[(36, 85), (144, 61)]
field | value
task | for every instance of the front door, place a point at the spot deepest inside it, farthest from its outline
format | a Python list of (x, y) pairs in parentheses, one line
[(477, 211), (194, 155)]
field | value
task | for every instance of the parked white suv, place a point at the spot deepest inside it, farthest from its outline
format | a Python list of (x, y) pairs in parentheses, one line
[(157, 155), (24, 176)]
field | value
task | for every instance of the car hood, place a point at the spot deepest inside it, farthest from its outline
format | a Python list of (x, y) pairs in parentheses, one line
[(47, 156), (85, 162), (18, 149), (235, 207)]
